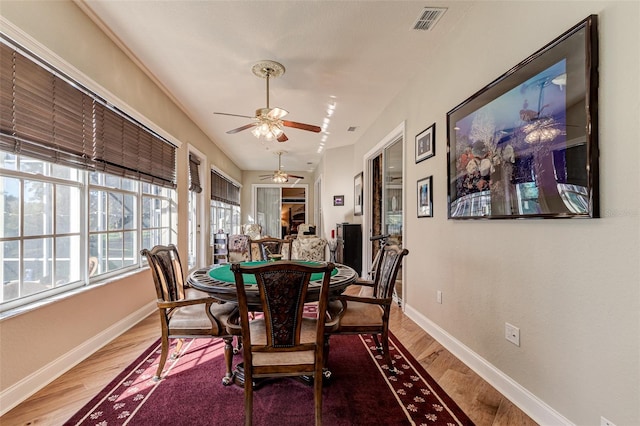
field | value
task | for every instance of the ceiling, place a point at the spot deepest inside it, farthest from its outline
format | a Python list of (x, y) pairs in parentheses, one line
[(344, 63)]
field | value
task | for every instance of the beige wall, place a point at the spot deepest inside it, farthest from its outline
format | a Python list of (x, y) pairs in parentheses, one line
[(572, 286), (337, 176)]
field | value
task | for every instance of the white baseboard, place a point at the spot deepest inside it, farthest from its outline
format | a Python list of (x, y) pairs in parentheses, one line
[(529, 403), (26, 387)]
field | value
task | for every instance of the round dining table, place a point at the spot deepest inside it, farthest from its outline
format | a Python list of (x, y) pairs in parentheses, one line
[(218, 281)]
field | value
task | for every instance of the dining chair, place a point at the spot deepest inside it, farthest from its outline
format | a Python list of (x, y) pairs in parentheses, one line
[(368, 312), (282, 342), (269, 246), (185, 312)]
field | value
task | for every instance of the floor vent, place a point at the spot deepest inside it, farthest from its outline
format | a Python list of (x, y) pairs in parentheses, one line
[(428, 18)]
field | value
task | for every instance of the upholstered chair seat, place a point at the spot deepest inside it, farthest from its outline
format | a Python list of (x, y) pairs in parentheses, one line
[(362, 314), (193, 317), (259, 337)]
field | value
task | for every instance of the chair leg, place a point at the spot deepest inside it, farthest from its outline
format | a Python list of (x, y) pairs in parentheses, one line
[(163, 357), (248, 397), (325, 349), (238, 348), (228, 359), (317, 395), (385, 350), (176, 352)]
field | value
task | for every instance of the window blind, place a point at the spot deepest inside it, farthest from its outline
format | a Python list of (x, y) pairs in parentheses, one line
[(48, 116), (194, 174), (222, 189)]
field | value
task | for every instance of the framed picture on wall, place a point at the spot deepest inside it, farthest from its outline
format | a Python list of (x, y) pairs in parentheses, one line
[(338, 200), (426, 143), (425, 198), (526, 145), (357, 195)]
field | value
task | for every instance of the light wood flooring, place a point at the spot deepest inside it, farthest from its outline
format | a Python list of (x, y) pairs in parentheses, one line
[(58, 401)]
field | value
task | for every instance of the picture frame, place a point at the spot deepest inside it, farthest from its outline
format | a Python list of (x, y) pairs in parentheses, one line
[(338, 200), (425, 197), (357, 194), (426, 143), (526, 145)]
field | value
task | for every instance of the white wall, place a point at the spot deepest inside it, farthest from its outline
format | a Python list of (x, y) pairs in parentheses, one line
[(572, 286), (337, 179)]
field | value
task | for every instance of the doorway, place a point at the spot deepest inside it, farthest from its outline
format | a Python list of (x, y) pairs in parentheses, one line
[(279, 209), (385, 193)]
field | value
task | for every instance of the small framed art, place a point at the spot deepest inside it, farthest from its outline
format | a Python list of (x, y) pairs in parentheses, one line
[(357, 195), (338, 200), (426, 143), (425, 204)]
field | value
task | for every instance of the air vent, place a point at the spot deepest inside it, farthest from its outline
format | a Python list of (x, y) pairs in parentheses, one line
[(351, 129), (428, 18)]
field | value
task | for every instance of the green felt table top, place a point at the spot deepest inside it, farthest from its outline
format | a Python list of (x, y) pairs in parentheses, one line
[(223, 272)]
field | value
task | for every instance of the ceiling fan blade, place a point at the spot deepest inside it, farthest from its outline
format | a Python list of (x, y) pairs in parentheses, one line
[(233, 115), (294, 176), (283, 138), (301, 126), (239, 129), (277, 113)]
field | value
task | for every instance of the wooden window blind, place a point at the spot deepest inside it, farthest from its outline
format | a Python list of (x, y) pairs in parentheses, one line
[(194, 174), (46, 115), (222, 189)]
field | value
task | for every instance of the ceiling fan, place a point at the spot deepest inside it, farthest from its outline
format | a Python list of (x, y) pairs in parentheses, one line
[(268, 122), (280, 176)]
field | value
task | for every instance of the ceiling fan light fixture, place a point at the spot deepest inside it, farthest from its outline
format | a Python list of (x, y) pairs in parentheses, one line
[(280, 178), (268, 129)]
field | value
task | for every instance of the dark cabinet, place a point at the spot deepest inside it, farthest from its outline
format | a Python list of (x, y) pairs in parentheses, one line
[(349, 245)]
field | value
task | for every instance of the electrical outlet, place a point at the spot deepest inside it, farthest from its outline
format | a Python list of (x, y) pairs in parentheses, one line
[(605, 422), (439, 296), (512, 333)]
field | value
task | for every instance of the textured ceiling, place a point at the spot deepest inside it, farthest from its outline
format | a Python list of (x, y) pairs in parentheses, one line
[(356, 55)]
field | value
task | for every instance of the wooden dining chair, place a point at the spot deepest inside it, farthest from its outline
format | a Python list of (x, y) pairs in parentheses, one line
[(368, 312), (272, 246), (282, 342), (185, 312)]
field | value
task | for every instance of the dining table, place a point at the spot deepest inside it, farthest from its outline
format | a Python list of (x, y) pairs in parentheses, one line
[(219, 282)]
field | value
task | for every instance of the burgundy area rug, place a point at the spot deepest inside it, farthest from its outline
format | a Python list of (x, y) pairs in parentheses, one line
[(361, 391)]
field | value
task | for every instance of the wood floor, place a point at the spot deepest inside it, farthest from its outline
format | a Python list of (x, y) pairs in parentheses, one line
[(58, 401)]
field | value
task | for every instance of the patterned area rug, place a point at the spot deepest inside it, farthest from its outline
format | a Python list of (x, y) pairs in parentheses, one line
[(361, 391)]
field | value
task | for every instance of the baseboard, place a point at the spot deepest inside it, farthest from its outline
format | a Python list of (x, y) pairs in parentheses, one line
[(26, 387), (535, 408)]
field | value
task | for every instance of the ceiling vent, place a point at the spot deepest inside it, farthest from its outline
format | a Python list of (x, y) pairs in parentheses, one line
[(428, 18)]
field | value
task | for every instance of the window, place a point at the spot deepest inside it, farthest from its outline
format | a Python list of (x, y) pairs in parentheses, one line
[(83, 185), (224, 217), (54, 238), (195, 188), (225, 205)]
